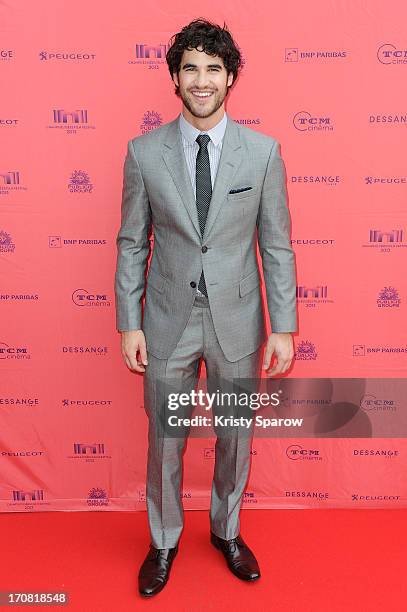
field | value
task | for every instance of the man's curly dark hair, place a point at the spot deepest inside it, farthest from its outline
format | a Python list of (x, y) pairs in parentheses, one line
[(215, 40)]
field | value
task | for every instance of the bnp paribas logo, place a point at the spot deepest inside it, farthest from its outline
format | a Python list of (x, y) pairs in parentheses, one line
[(79, 182), (306, 351), (390, 54), (151, 120), (305, 121), (6, 243), (388, 298)]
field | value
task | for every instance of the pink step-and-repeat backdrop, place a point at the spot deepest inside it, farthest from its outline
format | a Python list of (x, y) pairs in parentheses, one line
[(79, 79)]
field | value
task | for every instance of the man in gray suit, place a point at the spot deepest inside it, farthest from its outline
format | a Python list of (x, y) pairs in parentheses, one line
[(211, 190)]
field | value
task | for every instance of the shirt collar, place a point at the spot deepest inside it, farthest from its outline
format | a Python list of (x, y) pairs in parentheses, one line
[(190, 132)]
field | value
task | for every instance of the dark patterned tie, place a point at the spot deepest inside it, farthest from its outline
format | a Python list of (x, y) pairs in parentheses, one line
[(203, 190)]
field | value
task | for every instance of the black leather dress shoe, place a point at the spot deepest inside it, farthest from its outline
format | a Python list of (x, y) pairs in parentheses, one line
[(155, 570), (240, 559)]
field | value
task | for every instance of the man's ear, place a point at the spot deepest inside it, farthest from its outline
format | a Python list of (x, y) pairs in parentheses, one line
[(175, 78), (230, 79)]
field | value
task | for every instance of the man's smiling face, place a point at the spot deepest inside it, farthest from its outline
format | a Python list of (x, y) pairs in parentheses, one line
[(203, 82)]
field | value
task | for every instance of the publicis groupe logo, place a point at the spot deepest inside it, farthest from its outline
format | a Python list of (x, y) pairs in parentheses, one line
[(361, 350), (389, 54), (385, 239), (70, 120), (10, 182), (305, 351), (13, 352), (6, 54), (152, 55), (379, 180), (6, 243), (388, 298), (372, 403), (316, 179), (312, 296), (150, 120), (97, 497), (66, 56), (79, 182), (305, 121), (88, 299), (89, 452), (294, 54), (295, 452), (57, 242)]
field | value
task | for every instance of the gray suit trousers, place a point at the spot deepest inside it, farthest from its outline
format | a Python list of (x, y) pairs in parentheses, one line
[(165, 454)]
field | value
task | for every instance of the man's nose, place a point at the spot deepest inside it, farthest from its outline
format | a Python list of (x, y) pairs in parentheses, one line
[(201, 80)]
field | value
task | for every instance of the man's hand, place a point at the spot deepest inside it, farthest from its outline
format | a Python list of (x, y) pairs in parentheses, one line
[(282, 345), (133, 341)]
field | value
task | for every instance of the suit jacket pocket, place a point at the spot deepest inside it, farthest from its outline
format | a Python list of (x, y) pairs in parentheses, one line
[(249, 282), (240, 195), (156, 280)]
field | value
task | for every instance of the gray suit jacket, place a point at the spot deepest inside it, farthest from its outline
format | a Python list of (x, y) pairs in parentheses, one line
[(157, 193)]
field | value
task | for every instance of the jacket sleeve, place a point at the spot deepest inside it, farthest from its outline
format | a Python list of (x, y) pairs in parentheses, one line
[(278, 258), (133, 245)]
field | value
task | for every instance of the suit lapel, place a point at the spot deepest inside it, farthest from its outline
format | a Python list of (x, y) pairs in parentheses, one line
[(229, 162)]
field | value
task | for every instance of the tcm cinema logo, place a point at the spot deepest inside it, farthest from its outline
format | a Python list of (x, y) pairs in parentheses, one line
[(316, 179), (294, 54), (6, 243), (361, 350), (66, 56), (388, 298), (89, 452), (313, 296), (151, 55), (305, 351), (6, 54), (379, 180), (372, 403), (79, 182), (9, 352), (385, 240), (389, 54), (295, 452), (57, 242), (97, 498), (150, 121), (86, 299), (11, 182), (305, 122), (249, 497), (71, 121)]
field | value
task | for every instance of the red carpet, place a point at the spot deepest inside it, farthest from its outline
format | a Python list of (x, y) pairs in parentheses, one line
[(311, 561)]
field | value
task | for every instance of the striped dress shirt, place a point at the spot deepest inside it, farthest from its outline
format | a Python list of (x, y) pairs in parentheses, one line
[(191, 148)]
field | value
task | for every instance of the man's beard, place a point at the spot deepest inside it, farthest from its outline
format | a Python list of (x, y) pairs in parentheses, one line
[(204, 112)]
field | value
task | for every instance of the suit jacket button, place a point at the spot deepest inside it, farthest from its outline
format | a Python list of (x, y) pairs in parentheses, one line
[(204, 249), (193, 284)]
